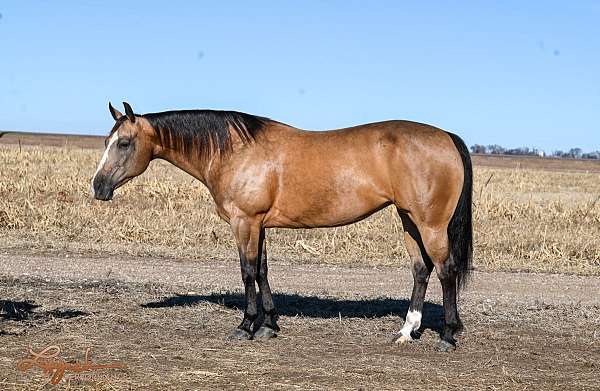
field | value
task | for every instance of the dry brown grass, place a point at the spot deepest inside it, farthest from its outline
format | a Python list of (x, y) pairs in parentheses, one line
[(525, 219)]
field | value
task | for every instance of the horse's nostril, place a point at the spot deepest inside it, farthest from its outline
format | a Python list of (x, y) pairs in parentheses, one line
[(101, 189)]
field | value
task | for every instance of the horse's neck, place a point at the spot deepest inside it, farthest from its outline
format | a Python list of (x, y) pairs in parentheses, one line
[(198, 168)]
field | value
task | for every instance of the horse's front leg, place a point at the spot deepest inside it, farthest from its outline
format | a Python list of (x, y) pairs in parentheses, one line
[(268, 328), (247, 235)]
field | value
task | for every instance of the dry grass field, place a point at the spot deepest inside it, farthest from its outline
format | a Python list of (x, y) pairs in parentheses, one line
[(151, 279)]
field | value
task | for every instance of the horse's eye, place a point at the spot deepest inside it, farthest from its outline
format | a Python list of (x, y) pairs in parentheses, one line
[(124, 144)]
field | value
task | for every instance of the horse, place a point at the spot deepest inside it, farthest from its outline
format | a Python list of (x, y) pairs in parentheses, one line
[(262, 174)]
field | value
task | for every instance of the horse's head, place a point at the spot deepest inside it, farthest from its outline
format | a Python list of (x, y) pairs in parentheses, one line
[(129, 149)]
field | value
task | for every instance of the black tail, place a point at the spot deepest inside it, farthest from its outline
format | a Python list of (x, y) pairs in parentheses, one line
[(460, 229)]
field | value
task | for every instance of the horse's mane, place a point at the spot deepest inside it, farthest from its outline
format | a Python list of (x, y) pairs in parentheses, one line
[(204, 131)]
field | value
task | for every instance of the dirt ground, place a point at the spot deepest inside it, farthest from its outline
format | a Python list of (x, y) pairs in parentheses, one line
[(167, 320)]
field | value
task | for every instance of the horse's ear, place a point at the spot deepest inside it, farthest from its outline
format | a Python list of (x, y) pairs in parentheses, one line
[(116, 114), (129, 112)]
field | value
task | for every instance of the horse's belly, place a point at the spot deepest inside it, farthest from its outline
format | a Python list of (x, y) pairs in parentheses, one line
[(309, 210)]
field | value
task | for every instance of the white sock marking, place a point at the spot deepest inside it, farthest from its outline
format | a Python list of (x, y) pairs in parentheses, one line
[(413, 322), (112, 140)]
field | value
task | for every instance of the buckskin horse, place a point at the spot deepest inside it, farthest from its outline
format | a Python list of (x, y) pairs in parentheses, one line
[(265, 174)]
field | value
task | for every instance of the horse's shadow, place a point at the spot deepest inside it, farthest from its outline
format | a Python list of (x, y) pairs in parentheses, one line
[(316, 307), (27, 310)]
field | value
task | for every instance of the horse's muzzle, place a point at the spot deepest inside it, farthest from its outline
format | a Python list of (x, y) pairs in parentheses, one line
[(102, 189)]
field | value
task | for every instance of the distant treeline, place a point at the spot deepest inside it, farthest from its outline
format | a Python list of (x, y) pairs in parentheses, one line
[(573, 153)]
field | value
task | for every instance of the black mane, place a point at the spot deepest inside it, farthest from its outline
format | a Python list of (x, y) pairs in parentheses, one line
[(204, 131)]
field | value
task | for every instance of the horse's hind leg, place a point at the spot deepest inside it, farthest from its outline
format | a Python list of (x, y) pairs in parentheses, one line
[(269, 326), (421, 270), (436, 244)]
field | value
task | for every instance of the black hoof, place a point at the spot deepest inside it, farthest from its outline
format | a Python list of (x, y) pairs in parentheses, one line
[(265, 332), (239, 335), (445, 346)]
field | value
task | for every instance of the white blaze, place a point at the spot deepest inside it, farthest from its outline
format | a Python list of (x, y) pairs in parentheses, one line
[(413, 322), (112, 140)]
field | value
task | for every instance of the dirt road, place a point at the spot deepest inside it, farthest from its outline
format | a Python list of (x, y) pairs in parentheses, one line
[(167, 321)]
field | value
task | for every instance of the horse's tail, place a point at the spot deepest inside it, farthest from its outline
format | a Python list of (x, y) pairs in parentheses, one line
[(460, 229)]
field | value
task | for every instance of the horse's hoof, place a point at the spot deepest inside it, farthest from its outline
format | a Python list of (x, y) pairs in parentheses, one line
[(264, 333), (239, 335), (445, 346), (402, 339)]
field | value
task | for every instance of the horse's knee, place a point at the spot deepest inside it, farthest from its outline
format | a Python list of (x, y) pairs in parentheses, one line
[(249, 274)]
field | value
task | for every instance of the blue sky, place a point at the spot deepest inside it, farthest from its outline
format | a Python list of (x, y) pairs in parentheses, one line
[(514, 73)]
